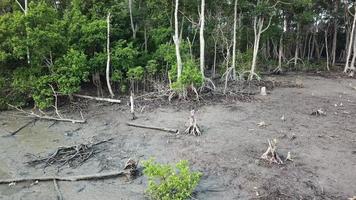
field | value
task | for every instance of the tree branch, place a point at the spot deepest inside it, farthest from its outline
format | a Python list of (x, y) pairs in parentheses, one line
[(20, 5)]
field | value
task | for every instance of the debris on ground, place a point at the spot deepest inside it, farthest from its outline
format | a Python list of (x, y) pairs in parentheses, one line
[(74, 156), (318, 112)]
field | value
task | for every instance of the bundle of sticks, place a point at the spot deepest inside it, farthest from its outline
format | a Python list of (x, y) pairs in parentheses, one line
[(74, 156)]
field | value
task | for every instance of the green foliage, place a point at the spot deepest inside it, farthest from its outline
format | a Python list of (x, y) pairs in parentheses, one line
[(244, 60), (43, 94), (166, 182), (152, 67), (70, 71), (135, 74), (191, 75), (124, 55)]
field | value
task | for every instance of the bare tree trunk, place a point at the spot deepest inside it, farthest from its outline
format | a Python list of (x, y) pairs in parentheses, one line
[(327, 50), (317, 50), (352, 67), (280, 53), (202, 40), (177, 41), (215, 54), (349, 51), (133, 27), (146, 39), (258, 30), (296, 47), (108, 60), (234, 43), (333, 50), (25, 10)]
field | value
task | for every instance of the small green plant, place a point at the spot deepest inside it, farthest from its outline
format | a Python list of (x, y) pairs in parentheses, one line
[(166, 182), (190, 76)]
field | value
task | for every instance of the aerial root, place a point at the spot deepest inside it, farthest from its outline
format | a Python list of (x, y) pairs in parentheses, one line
[(193, 128)]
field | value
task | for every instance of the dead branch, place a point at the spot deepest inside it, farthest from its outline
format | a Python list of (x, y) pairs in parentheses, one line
[(193, 128), (70, 178), (97, 98), (154, 128), (271, 154), (19, 129), (46, 117)]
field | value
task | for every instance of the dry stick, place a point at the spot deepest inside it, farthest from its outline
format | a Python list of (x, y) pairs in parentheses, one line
[(176, 131), (97, 98), (59, 194), (69, 178), (19, 129), (45, 117)]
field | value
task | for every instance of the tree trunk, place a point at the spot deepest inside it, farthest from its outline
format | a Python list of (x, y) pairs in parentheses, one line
[(177, 41), (108, 60), (333, 50), (134, 29), (215, 54), (234, 43), (296, 47), (327, 50), (352, 67), (352, 37), (280, 52), (258, 23), (202, 40), (146, 39)]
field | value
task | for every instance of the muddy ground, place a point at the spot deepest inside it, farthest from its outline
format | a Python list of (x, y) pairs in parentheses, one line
[(323, 147)]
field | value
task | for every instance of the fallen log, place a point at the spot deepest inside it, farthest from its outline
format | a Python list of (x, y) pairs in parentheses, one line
[(176, 131), (69, 178), (97, 98), (128, 172)]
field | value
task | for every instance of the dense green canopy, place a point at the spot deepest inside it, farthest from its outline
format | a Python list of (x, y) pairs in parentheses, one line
[(61, 44)]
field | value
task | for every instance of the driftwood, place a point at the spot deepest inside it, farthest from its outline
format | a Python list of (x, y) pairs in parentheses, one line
[(46, 117), (129, 171), (73, 155), (271, 154), (97, 98), (19, 129), (154, 128), (193, 128)]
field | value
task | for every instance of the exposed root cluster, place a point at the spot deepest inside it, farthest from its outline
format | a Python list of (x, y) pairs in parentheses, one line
[(74, 156), (193, 128)]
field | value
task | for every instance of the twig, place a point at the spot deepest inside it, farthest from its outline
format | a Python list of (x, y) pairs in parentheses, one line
[(176, 131), (59, 194), (19, 129)]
